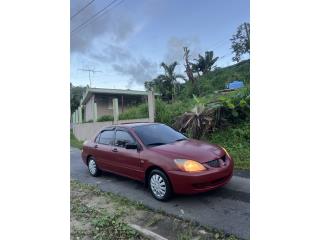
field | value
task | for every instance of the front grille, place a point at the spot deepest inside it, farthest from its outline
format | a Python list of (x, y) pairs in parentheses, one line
[(217, 162), (214, 163)]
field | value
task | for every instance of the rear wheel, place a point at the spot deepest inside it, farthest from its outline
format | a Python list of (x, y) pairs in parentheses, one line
[(93, 167), (159, 185)]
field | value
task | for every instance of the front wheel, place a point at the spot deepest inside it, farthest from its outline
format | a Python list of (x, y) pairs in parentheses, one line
[(159, 185), (92, 167)]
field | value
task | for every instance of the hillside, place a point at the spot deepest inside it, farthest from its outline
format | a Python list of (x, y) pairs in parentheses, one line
[(217, 79)]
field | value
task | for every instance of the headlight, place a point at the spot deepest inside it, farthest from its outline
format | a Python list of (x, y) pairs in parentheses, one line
[(226, 152), (189, 165)]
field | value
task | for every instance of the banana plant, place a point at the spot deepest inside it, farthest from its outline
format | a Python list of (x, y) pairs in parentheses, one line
[(199, 120)]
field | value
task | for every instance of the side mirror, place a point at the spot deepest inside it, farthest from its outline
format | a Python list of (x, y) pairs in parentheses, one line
[(131, 146)]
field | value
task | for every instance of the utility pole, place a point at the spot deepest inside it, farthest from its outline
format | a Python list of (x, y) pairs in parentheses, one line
[(89, 70)]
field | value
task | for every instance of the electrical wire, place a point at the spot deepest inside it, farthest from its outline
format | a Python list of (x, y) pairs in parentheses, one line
[(83, 8), (92, 18)]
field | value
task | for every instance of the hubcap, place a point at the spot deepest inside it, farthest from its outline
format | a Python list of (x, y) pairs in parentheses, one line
[(92, 167), (158, 185)]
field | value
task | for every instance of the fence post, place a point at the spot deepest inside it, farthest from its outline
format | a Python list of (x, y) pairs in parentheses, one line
[(76, 114), (95, 112), (80, 114), (115, 110), (151, 106)]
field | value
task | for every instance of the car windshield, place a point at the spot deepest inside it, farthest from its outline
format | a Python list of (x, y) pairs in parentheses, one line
[(158, 134)]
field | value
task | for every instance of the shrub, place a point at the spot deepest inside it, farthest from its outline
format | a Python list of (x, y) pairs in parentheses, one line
[(140, 111), (167, 113), (105, 118), (236, 139), (236, 107)]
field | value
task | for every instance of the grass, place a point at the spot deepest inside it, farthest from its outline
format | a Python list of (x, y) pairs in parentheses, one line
[(74, 142), (103, 215), (236, 140), (90, 222)]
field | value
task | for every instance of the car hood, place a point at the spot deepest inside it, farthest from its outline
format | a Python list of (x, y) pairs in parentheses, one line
[(190, 149)]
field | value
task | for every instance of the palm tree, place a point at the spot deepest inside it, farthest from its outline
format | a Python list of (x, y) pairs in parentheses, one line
[(205, 63), (170, 78)]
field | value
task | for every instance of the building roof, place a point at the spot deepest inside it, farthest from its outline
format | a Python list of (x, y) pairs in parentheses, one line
[(90, 91)]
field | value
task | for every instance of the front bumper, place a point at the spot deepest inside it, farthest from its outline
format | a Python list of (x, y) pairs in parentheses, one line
[(84, 157), (189, 183)]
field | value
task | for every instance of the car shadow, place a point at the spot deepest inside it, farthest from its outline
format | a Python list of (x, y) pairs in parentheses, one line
[(205, 197)]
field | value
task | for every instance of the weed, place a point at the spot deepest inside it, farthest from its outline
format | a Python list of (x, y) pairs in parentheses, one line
[(74, 142)]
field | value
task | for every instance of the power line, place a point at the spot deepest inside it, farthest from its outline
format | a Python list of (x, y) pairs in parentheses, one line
[(93, 20), (94, 16), (83, 8)]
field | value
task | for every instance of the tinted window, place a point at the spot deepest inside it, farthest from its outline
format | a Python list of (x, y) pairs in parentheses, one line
[(106, 137), (123, 138), (158, 134)]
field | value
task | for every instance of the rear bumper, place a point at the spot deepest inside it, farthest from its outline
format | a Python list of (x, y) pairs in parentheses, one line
[(190, 183)]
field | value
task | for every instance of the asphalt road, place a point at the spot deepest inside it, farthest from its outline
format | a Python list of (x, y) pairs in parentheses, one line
[(226, 208)]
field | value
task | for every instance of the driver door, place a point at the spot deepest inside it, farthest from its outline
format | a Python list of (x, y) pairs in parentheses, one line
[(128, 159)]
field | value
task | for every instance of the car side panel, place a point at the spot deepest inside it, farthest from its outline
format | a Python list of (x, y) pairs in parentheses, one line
[(128, 162)]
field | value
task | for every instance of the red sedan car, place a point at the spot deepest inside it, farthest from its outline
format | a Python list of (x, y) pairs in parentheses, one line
[(164, 159)]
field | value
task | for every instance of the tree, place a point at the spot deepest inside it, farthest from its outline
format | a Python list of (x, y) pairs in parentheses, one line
[(241, 42), (188, 65), (165, 83), (75, 96), (170, 78), (204, 63), (159, 86)]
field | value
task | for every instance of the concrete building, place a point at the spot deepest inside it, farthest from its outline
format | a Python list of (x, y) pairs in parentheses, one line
[(97, 102)]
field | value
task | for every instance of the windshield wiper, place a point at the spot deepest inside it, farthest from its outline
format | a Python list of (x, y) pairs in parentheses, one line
[(156, 144)]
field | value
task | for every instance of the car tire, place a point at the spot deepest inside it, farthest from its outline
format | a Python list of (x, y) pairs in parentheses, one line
[(93, 167), (159, 185)]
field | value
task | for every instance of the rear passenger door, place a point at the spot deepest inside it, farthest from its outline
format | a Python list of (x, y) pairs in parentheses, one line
[(103, 149)]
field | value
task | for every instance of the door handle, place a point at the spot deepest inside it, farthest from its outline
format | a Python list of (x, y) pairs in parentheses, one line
[(96, 146), (114, 150)]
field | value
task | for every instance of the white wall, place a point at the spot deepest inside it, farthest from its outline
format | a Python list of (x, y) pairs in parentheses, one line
[(85, 131)]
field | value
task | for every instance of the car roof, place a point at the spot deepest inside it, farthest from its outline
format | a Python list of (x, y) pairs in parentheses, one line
[(131, 125)]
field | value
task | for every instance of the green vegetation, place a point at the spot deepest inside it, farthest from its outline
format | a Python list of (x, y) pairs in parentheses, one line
[(166, 113), (140, 111), (236, 139), (105, 118), (215, 80), (75, 96), (74, 142)]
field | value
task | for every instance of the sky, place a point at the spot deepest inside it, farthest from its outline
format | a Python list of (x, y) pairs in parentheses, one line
[(127, 43)]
